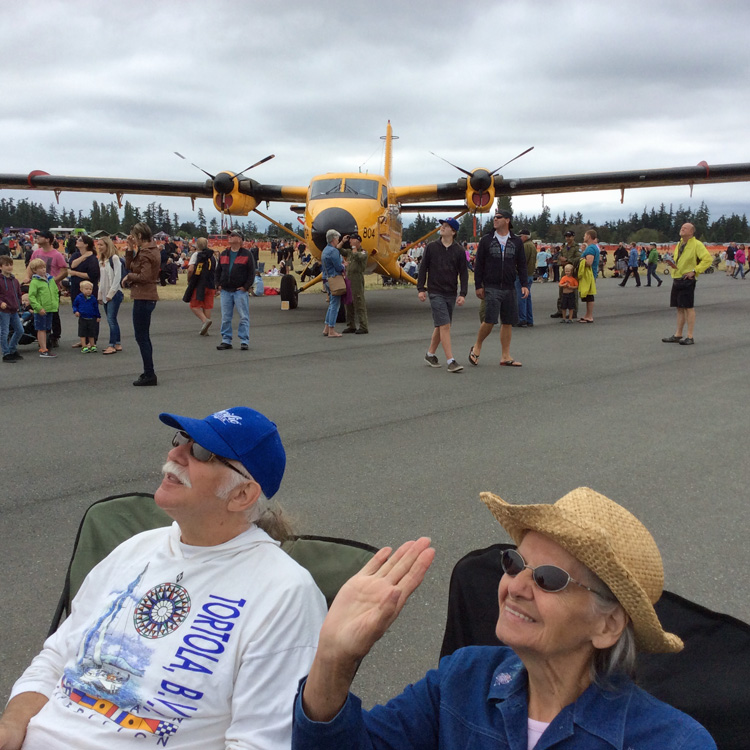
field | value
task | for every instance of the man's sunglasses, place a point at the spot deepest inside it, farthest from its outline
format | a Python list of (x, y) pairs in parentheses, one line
[(199, 453), (548, 578)]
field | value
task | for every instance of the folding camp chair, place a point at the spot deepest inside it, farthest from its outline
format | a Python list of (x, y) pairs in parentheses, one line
[(109, 522), (708, 679)]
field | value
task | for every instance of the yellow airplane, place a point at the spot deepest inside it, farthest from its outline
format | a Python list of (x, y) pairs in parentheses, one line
[(370, 204)]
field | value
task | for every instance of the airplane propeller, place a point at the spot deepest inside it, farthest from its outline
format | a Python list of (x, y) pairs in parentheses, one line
[(481, 179), (224, 182)]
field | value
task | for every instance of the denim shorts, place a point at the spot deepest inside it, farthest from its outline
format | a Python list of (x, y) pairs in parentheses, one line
[(43, 322), (442, 309), (501, 304)]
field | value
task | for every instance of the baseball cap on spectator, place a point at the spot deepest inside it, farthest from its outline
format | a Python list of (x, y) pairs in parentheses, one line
[(235, 233), (570, 234), (240, 434), (526, 232), (452, 223)]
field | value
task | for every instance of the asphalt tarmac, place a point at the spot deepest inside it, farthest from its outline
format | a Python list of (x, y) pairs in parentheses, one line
[(383, 448)]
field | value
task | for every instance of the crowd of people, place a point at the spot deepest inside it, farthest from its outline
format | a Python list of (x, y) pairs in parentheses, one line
[(206, 634), (93, 273)]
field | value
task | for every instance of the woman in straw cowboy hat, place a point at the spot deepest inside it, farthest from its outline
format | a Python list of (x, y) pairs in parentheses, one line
[(576, 601)]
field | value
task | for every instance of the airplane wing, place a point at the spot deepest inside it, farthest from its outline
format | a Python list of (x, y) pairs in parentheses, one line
[(479, 189), (698, 175), (223, 184)]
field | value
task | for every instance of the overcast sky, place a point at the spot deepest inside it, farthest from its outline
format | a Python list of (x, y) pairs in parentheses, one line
[(112, 89)]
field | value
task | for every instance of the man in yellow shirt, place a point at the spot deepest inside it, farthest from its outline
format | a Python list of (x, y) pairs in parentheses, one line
[(690, 259)]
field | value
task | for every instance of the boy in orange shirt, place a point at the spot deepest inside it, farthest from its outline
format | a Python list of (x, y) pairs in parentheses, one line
[(569, 286)]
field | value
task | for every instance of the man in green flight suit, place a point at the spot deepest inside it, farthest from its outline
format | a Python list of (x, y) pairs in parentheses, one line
[(356, 312)]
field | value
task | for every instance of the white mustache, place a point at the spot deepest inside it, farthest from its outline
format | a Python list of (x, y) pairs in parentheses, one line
[(170, 467)]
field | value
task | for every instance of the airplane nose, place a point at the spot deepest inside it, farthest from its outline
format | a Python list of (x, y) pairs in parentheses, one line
[(332, 218)]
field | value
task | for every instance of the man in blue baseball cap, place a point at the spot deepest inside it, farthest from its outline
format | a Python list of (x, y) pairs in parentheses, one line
[(443, 265), (195, 633)]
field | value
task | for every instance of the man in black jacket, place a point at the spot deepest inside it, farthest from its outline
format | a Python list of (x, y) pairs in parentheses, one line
[(236, 275), (499, 261), (443, 266)]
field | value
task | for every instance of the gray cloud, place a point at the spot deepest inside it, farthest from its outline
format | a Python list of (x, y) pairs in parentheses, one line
[(112, 89)]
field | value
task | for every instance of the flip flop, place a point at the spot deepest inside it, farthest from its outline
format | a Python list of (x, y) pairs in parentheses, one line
[(473, 358), (510, 363), (584, 320), (110, 350)]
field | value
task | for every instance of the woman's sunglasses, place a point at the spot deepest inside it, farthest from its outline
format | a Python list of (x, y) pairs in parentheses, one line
[(548, 578), (199, 453)]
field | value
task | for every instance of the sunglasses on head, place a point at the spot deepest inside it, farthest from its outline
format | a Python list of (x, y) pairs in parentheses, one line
[(199, 453), (548, 578)]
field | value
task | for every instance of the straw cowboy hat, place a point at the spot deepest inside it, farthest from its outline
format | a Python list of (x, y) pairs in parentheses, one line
[(611, 542)]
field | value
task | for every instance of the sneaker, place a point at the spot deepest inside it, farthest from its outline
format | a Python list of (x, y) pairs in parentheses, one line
[(431, 360), (361, 331), (223, 345), (17, 356), (85, 350), (145, 380), (455, 367), (205, 327), (9, 358), (92, 348), (672, 340), (244, 347), (687, 341), (349, 329), (556, 315), (47, 354)]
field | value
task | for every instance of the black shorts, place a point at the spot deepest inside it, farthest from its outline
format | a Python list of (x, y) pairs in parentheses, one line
[(683, 293), (501, 304), (568, 301), (588, 298), (87, 328)]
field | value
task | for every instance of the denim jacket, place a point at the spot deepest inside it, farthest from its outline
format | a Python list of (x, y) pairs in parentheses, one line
[(477, 700), (331, 260)]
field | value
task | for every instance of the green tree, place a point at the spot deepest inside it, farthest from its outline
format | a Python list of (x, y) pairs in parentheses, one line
[(202, 228)]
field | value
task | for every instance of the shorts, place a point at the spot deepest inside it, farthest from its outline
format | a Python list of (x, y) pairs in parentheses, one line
[(442, 309), (206, 304), (501, 305), (568, 301), (87, 328), (588, 298), (683, 293), (43, 322)]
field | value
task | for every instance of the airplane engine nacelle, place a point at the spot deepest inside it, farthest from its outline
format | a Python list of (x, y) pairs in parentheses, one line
[(480, 191), (228, 198)]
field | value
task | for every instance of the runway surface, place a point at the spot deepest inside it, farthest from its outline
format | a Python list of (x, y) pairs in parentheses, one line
[(382, 448)]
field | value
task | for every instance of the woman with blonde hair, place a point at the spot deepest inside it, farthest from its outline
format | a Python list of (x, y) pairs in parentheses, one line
[(110, 295)]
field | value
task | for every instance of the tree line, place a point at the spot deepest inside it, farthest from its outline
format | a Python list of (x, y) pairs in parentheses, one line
[(651, 225), (110, 218)]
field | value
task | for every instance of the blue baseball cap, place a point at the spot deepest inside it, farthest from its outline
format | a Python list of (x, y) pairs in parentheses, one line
[(241, 434), (452, 223)]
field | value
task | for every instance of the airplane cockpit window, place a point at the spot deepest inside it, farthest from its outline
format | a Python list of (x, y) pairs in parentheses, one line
[(362, 188), (323, 188)]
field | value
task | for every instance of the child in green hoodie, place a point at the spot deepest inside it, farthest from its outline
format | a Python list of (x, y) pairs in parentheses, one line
[(44, 298)]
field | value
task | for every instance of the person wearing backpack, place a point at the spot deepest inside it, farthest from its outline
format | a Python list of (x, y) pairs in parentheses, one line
[(111, 273)]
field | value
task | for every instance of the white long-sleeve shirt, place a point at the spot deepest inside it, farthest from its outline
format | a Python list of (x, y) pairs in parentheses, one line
[(179, 646)]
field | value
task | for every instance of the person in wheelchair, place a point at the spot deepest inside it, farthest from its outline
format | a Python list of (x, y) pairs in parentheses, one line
[(195, 633), (575, 601)]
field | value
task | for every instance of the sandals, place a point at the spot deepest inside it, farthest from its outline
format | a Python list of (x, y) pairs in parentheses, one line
[(118, 348), (109, 350), (473, 358), (510, 363)]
